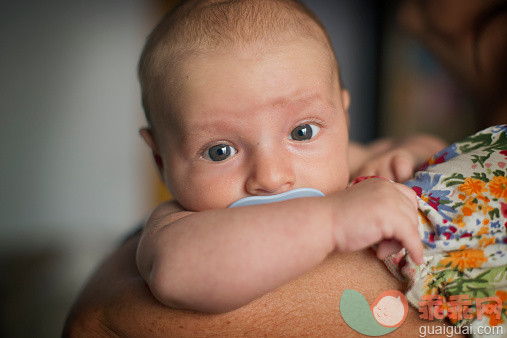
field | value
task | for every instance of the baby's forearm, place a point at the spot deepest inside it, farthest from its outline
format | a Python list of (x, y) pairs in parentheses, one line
[(219, 260)]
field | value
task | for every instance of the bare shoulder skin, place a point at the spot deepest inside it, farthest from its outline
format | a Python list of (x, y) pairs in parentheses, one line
[(117, 302)]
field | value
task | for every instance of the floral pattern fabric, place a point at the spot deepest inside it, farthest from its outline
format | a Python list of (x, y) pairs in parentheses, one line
[(462, 200)]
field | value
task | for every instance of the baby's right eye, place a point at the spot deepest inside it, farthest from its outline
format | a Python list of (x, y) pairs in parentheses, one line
[(219, 152)]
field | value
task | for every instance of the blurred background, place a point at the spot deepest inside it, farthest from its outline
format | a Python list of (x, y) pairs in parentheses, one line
[(75, 177)]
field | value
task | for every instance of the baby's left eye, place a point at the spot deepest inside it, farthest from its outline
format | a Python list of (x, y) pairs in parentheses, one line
[(304, 132)]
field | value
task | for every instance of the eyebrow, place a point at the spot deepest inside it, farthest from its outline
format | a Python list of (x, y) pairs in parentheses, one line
[(305, 99), (302, 100)]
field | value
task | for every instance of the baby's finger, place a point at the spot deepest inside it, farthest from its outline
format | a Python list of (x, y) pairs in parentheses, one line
[(367, 171), (385, 171), (402, 167), (409, 237), (417, 253), (407, 215), (387, 248), (409, 193)]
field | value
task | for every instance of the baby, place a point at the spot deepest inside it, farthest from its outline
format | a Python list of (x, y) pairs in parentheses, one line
[(243, 98)]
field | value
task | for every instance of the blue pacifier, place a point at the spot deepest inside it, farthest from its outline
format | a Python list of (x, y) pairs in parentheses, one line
[(288, 195)]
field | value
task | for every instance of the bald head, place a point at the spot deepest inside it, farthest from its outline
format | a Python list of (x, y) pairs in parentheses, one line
[(196, 27)]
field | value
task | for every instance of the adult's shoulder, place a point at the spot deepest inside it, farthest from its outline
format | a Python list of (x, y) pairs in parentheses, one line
[(117, 301)]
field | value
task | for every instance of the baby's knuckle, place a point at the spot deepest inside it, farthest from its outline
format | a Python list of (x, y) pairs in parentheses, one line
[(386, 229)]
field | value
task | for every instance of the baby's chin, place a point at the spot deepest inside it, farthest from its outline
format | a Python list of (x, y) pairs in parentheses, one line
[(333, 190)]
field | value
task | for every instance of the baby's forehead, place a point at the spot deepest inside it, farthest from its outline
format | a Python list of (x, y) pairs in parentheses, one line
[(250, 53), (198, 25), (203, 74)]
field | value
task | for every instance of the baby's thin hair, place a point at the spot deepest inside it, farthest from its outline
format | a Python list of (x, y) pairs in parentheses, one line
[(196, 26)]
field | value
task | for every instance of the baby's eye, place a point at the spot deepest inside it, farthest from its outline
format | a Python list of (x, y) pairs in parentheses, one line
[(219, 152), (304, 132)]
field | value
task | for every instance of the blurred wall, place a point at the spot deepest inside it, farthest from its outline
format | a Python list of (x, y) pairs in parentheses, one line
[(75, 175), (71, 155), (354, 28)]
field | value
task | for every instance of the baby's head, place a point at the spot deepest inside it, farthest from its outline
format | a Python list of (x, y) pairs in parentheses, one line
[(243, 98)]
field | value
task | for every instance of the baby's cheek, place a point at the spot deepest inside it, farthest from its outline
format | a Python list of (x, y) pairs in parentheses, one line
[(197, 189), (207, 196), (335, 180)]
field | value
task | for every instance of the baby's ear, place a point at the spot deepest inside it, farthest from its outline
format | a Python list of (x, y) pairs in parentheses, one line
[(147, 135), (345, 99), (346, 104)]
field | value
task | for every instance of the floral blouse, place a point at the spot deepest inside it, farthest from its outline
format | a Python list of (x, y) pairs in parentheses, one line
[(462, 198)]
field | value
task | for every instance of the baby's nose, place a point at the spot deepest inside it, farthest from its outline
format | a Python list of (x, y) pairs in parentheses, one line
[(270, 173)]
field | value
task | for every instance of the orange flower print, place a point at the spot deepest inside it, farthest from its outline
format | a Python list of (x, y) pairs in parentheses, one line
[(423, 219), (486, 208), (459, 221), (483, 230), (472, 186), (470, 206), (498, 187), (485, 241), (468, 211), (464, 259)]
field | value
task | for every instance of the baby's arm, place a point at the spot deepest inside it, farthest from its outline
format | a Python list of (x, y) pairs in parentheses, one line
[(219, 260), (395, 160)]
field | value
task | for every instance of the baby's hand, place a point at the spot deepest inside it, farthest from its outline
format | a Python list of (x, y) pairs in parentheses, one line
[(395, 161), (375, 210), (397, 165)]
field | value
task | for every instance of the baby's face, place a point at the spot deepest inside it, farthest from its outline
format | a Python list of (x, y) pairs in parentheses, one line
[(250, 123)]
